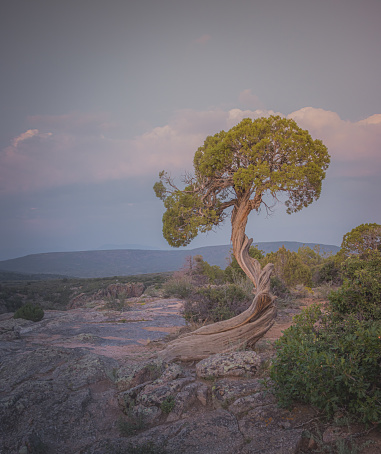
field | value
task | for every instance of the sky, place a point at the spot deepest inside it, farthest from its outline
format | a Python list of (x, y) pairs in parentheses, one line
[(97, 97)]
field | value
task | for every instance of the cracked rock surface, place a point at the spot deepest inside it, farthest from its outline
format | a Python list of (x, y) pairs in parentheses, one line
[(62, 396)]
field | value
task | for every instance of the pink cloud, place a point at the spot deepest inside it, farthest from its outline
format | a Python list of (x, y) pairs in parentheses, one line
[(37, 160), (248, 99), (354, 146), (25, 135), (203, 39)]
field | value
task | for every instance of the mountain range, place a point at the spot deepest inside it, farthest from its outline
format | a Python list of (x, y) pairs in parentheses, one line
[(125, 262)]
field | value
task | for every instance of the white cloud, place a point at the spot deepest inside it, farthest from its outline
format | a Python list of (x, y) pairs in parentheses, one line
[(77, 152)]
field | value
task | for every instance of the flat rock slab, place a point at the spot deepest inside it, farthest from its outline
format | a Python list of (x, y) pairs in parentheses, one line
[(105, 332)]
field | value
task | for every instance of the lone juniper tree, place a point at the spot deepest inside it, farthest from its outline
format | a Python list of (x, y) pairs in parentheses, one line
[(253, 165)]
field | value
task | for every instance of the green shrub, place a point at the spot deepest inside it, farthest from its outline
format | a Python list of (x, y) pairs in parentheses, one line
[(280, 290), (203, 273), (328, 272), (213, 304), (30, 312), (361, 290), (289, 267), (179, 285), (168, 404), (332, 363)]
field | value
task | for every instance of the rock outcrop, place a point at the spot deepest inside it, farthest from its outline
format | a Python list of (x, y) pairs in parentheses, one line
[(115, 291), (69, 397), (54, 399), (68, 400)]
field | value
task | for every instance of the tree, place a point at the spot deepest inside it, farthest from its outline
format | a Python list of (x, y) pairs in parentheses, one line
[(244, 169), (234, 271), (361, 240)]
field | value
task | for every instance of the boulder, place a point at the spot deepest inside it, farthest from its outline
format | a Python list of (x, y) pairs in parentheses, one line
[(236, 364)]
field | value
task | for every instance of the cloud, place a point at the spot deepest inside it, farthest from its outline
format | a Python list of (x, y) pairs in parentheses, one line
[(354, 146), (248, 99), (73, 149), (203, 39), (25, 135)]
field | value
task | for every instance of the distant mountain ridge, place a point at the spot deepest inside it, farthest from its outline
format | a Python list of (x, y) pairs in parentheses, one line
[(125, 262), (108, 247)]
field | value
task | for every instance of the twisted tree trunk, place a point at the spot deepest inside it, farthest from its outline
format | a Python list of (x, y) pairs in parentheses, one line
[(246, 328)]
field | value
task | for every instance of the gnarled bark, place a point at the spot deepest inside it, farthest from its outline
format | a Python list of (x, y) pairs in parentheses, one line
[(246, 328)]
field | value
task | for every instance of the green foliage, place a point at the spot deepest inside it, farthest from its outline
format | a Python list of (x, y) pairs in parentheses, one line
[(168, 404), (179, 285), (181, 220), (262, 157), (327, 272), (331, 363), (338, 351), (117, 304), (289, 267), (280, 290), (10, 299), (213, 273), (213, 304), (30, 312), (332, 359), (362, 239), (196, 272), (275, 154), (361, 290), (341, 446), (57, 293), (310, 257)]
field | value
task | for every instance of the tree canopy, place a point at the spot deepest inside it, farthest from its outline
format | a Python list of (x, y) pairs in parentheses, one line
[(362, 239), (247, 167)]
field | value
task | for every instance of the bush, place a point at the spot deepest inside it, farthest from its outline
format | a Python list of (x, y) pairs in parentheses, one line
[(338, 364), (361, 290), (289, 267), (179, 285), (30, 312), (168, 404), (203, 273), (279, 289), (213, 304), (328, 272)]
